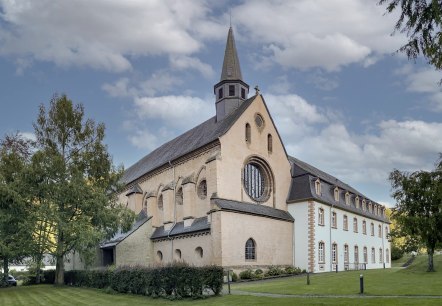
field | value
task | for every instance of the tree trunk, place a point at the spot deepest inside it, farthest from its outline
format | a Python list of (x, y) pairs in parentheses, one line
[(430, 260), (59, 270), (6, 268)]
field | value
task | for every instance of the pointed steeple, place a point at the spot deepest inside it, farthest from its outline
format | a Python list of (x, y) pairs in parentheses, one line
[(231, 90), (231, 68)]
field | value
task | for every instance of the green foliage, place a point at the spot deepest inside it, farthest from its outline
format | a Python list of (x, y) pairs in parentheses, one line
[(247, 274), (418, 210), (258, 272), (274, 271), (176, 280), (234, 277), (422, 21), (292, 270), (396, 253)]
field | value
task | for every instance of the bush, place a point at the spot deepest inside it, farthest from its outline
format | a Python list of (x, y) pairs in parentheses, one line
[(292, 270), (234, 277), (274, 271), (247, 274), (258, 272), (172, 281), (396, 253)]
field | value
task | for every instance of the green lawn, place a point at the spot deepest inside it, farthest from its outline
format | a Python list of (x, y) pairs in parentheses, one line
[(401, 261), (396, 281)]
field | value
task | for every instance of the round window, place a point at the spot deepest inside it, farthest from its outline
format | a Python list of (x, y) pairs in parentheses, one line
[(202, 189), (259, 121), (257, 180)]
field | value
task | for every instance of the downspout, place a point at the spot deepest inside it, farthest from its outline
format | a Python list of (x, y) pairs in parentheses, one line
[(174, 211), (383, 246), (331, 246)]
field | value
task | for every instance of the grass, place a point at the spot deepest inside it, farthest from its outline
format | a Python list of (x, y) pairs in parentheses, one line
[(400, 261), (395, 281)]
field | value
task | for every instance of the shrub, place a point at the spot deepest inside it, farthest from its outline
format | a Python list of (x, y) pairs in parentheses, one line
[(258, 272), (396, 253), (274, 271), (247, 274), (292, 270), (234, 277)]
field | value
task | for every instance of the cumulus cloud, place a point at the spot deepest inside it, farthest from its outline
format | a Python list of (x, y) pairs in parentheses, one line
[(183, 62), (101, 34), (325, 34)]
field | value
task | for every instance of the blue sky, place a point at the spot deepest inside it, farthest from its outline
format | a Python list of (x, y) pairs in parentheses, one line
[(341, 97)]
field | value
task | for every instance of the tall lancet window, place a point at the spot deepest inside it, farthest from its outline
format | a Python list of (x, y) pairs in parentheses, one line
[(269, 143), (248, 133)]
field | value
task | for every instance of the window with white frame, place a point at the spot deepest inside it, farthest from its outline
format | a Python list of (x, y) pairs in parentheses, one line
[(364, 205), (364, 227), (345, 253), (355, 225), (386, 232), (372, 228), (345, 223), (321, 254), (357, 202), (365, 255), (347, 198), (370, 207), (334, 253), (380, 256), (373, 255), (356, 255), (334, 220), (336, 194), (318, 187), (321, 216), (379, 231), (387, 255)]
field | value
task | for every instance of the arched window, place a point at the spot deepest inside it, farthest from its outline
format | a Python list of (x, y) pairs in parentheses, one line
[(345, 253), (321, 216), (269, 143), (372, 228), (356, 254), (357, 202), (364, 206), (355, 225), (373, 255), (202, 189), (387, 255), (334, 253), (386, 232), (177, 254), (336, 191), (160, 202), (364, 227), (381, 258), (250, 250), (179, 196), (380, 231), (248, 133), (345, 223), (334, 220), (365, 255), (347, 198), (199, 252), (318, 187), (159, 256), (321, 254)]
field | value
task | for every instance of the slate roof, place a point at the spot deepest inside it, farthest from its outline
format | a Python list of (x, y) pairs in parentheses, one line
[(120, 236), (231, 68), (198, 225), (303, 188), (191, 140), (252, 209)]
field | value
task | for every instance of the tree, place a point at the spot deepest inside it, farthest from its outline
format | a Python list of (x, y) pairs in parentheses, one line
[(421, 20), (80, 180), (418, 210), (15, 230)]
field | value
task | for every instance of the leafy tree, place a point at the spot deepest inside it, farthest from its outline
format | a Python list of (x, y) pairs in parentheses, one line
[(80, 180), (15, 232), (418, 210), (422, 21)]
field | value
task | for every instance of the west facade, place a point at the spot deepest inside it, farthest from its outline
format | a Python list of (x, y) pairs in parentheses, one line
[(227, 193)]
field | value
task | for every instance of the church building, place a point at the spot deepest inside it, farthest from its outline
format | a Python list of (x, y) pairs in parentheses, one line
[(227, 193)]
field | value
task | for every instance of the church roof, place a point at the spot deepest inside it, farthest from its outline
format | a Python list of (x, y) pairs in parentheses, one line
[(120, 236), (252, 209), (303, 189), (231, 68), (188, 142), (198, 225)]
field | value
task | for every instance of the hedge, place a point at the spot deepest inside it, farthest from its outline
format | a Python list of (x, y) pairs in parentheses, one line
[(172, 281)]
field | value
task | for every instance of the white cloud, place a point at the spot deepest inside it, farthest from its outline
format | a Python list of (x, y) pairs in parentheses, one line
[(183, 62), (102, 34)]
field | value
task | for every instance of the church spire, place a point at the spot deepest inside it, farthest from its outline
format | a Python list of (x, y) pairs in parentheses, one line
[(231, 68), (231, 90)]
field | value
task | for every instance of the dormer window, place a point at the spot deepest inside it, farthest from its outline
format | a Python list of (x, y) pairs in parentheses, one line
[(357, 202), (318, 187), (347, 198), (370, 207), (336, 191)]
